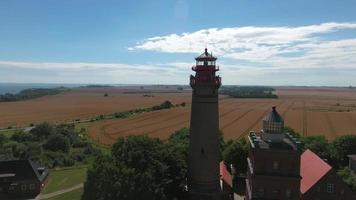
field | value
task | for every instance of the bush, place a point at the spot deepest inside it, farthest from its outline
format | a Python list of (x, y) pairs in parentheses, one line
[(348, 176), (57, 142), (20, 136), (42, 131)]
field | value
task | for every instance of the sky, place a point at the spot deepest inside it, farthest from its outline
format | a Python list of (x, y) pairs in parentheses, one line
[(257, 42)]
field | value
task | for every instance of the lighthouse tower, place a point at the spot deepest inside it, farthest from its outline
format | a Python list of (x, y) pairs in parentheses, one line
[(204, 152)]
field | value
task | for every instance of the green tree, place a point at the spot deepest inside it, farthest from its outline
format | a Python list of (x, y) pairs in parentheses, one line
[(235, 154), (343, 146), (21, 136), (2, 139), (291, 131), (317, 144), (139, 167), (42, 131), (348, 176), (180, 137), (57, 142)]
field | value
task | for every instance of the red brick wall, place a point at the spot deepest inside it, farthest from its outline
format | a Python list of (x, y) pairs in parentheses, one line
[(319, 190)]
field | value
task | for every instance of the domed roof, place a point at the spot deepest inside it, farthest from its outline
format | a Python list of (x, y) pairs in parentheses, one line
[(206, 56), (273, 116)]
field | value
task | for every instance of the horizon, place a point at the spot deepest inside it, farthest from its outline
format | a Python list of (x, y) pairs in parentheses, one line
[(295, 43)]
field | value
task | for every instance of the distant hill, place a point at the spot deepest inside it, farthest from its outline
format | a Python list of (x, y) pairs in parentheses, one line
[(31, 94)]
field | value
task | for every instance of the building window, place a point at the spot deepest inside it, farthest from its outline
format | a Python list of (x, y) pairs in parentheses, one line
[(23, 187), (11, 188), (288, 193), (0, 189), (32, 186), (330, 188), (275, 165)]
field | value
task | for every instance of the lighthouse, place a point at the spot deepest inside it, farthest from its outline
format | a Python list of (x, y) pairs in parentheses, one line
[(204, 152)]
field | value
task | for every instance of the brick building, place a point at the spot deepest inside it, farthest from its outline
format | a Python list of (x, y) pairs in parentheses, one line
[(273, 162)]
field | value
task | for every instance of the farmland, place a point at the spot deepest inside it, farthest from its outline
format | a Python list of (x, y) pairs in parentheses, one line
[(310, 111), (328, 111), (82, 103)]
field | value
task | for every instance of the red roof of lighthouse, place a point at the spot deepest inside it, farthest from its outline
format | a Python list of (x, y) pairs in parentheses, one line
[(312, 169), (225, 174)]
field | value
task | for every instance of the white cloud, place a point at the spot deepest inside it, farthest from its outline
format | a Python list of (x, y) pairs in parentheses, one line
[(288, 47)]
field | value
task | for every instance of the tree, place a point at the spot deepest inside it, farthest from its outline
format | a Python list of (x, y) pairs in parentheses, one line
[(180, 137), (139, 167), (348, 176), (2, 139), (343, 146), (42, 131), (21, 136), (235, 153), (57, 142), (166, 105), (292, 132)]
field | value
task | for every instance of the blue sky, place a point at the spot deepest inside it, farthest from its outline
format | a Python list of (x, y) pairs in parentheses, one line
[(258, 42)]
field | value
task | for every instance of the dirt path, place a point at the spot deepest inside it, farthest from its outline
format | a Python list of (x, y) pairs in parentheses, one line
[(59, 192)]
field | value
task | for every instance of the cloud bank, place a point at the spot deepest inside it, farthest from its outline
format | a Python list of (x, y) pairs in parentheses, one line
[(283, 47)]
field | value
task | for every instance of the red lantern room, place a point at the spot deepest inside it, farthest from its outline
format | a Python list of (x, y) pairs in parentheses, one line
[(205, 70)]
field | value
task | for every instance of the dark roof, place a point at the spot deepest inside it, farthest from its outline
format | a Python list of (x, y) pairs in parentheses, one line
[(312, 169), (273, 116), (206, 56), (22, 170)]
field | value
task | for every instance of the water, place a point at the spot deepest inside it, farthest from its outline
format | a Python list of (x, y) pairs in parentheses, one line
[(17, 87)]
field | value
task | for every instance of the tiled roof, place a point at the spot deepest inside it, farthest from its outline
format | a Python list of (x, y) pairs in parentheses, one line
[(312, 169), (225, 174), (21, 170)]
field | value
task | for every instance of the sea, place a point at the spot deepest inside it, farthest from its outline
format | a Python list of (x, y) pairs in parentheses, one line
[(17, 87)]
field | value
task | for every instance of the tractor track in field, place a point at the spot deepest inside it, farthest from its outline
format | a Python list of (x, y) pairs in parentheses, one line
[(240, 117), (305, 120), (330, 125), (289, 107), (154, 123)]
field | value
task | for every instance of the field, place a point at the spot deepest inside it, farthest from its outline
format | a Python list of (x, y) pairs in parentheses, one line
[(82, 103), (310, 111)]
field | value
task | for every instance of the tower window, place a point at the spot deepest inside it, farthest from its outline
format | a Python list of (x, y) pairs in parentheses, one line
[(202, 151), (330, 188)]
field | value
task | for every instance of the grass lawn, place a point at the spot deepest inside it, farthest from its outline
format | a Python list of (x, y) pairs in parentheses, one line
[(64, 178), (73, 195)]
